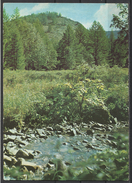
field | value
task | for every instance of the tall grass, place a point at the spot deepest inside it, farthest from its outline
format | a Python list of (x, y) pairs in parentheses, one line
[(35, 97)]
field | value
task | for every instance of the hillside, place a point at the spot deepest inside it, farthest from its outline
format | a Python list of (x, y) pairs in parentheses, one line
[(48, 41), (58, 25)]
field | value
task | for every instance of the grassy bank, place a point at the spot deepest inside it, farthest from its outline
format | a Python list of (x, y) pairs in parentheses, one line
[(43, 97)]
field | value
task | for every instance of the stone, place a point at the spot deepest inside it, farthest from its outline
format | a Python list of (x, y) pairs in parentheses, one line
[(89, 146), (7, 159), (11, 151), (24, 177), (67, 163), (110, 137), (50, 166), (49, 128), (59, 128), (58, 132), (41, 133), (85, 141), (61, 166), (22, 154), (90, 132), (12, 131), (14, 160), (29, 165), (76, 148), (64, 143), (10, 144)]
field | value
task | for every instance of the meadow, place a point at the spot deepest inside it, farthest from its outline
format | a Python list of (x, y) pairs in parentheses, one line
[(36, 98)]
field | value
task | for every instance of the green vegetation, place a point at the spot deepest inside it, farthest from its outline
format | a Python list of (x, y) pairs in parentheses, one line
[(55, 71), (85, 94), (47, 41)]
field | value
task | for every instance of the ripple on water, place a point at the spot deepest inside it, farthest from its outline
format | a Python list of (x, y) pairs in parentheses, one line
[(65, 147)]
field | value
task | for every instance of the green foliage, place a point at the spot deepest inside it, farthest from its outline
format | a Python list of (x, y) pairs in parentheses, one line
[(99, 43), (81, 95), (121, 45), (69, 52)]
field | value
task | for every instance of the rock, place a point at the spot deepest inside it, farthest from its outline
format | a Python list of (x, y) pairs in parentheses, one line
[(89, 168), (11, 151), (12, 131), (50, 166), (48, 133), (7, 158), (24, 169), (14, 160), (85, 141), (72, 132), (110, 137), (61, 165), (58, 132), (90, 132), (76, 148), (10, 138), (32, 136), (78, 131), (89, 146), (67, 163), (41, 133), (24, 177), (30, 166), (22, 154), (59, 128), (10, 144), (49, 128), (98, 125), (100, 129), (64, 143)]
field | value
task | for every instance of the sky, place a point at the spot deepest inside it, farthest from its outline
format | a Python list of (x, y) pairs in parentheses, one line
[(85, 13)]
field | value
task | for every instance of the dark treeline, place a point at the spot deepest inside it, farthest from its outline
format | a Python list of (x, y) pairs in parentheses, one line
[(27, 46)]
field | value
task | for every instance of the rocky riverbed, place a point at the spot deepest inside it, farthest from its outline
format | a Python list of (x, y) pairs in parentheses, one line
[(37, 151)]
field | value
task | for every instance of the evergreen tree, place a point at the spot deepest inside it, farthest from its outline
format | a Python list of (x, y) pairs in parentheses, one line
[(121, 22), (99, 43), (14, 52), (111, 56), (82, 35), (69, 50)]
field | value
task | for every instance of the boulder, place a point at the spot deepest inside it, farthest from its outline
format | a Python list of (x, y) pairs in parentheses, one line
[(12, 131), (7, 159), (49, 128), (11, 151), (30, 166), (10, 144), (23, 154), (59, 128), (50, 166), (72, 132), (90, 132), (41, 133)]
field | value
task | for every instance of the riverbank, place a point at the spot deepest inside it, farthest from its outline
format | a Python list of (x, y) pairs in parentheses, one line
[(38, 154)]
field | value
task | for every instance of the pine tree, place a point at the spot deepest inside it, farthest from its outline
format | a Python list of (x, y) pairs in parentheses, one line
[(14, 52), (82, 35), (121, 22), (69, 50), (99, 43), (111, 56)]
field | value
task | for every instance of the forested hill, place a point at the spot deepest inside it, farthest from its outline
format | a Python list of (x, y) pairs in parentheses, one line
[(48, 41), (54, 26)]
